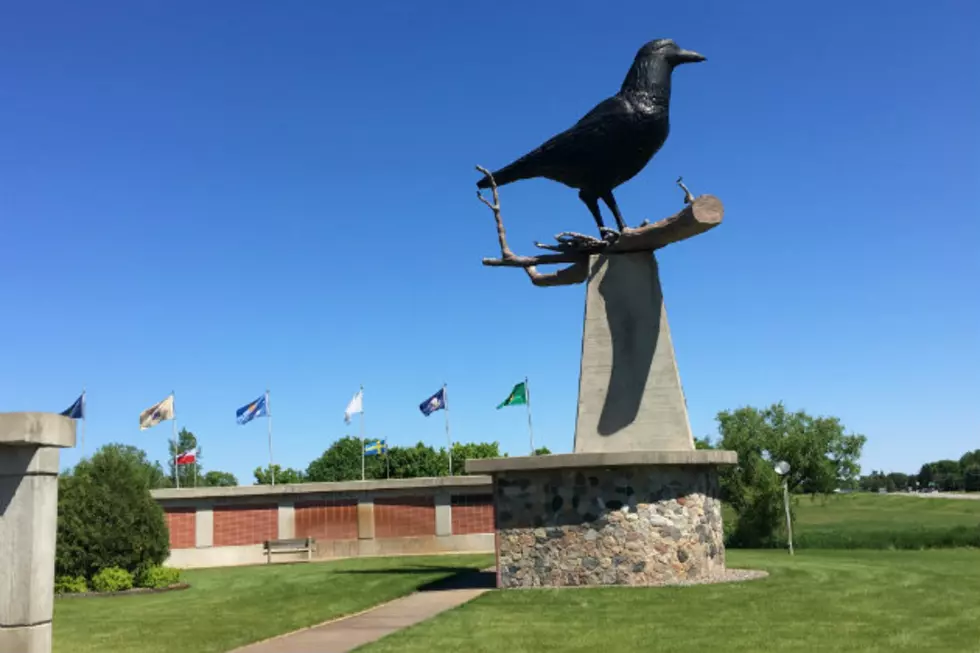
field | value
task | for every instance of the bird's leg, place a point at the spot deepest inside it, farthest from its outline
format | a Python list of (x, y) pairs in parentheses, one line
[(611, 203), (688, 198), (592, 202)]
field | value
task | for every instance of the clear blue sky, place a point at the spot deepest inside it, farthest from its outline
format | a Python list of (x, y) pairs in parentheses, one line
[(219, 197)]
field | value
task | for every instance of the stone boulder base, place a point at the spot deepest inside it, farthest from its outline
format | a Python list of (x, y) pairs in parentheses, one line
[(628, 525)]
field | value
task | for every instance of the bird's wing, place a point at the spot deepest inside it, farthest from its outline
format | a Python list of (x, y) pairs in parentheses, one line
[(578, 139), (574, 144), (611, 106)]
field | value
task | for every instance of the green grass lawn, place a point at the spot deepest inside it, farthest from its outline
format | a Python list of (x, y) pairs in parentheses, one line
[(868, 520), (230, 607), (822, 601), (876, 512)]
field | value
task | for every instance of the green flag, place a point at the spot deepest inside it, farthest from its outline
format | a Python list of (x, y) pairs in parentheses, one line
[(518, 396)]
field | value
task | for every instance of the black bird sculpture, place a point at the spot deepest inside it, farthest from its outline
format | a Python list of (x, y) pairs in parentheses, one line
[(612, 142)]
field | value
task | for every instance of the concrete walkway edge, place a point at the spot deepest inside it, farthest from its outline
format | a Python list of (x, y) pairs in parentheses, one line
[(345, 634)]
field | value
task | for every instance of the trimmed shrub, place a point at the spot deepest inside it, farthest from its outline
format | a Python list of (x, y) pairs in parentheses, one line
[(158, 577), (70, 585), (106, 516), (112, 579)]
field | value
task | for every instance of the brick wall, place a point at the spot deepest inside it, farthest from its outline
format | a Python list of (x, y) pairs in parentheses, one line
[(180, 523), (472, 513), (330, 519), (248, 524), (404, 516)]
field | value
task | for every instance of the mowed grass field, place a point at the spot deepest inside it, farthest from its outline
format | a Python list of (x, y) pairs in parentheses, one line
[(885, 521), (818, 600), (230, 607), (826, 601)]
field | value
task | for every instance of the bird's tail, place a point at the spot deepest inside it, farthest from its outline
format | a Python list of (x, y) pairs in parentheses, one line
[(505, 175)]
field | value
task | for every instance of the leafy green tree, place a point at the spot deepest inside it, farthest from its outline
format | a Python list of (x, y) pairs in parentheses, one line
[(944, 475), (542, 451), (971, 477), (220, 479), (703, 443), (821, 456), (342, 462), (898, 482), (416, 462), (106, 516), (473, 450), (190, 475), (263, 475)]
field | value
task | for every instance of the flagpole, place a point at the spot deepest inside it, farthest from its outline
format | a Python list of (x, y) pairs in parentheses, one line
[(176, 445), (449, 438), (268, 413), (362, 431), (530, 430), (84, 412)]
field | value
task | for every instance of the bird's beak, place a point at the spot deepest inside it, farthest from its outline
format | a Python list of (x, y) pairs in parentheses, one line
[(688, 56)]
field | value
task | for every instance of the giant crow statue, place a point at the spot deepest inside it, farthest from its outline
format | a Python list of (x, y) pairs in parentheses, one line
[(612, 142)]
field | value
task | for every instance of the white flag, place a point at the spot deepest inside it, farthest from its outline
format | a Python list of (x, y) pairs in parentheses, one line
[(356, 405), (157, 413)]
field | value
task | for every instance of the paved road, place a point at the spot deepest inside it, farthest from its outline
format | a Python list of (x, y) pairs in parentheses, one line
[(973, 496)]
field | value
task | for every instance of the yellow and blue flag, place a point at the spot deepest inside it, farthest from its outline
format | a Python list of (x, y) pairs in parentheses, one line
[(250, 411), (375, 448)]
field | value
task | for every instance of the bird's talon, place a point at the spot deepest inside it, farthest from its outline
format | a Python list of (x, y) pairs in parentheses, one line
[(609, 235)]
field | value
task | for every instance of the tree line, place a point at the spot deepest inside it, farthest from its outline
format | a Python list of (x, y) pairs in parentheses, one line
[(340, 462), (961, 475)]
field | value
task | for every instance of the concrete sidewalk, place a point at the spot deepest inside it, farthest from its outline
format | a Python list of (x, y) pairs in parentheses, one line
[(348, 633)]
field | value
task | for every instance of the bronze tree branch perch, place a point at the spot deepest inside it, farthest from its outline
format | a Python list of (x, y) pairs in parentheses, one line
[(701, 214)]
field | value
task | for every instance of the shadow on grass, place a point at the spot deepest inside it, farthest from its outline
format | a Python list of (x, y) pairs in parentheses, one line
[(459, 577)]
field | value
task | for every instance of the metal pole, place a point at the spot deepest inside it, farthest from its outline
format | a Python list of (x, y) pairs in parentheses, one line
[(176, 444), (362, 432), (530, 429), (789, 523), (449, 438), (268, 413), (84, 417)]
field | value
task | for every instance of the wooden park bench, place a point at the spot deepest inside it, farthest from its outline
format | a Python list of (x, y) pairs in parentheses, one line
[(296, 545)]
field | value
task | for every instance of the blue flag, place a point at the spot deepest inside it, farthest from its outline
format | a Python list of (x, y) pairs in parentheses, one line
[(247, 413), (375, 448), (77, 409), (434, 403)]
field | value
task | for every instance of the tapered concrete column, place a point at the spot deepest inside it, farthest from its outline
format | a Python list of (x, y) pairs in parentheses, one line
[(28, 526)]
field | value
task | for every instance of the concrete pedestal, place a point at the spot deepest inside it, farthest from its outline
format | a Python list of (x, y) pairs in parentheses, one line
[(630, 396), (28, 526)]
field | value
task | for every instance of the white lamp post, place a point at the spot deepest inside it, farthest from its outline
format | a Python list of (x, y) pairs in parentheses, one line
[(782, 468)]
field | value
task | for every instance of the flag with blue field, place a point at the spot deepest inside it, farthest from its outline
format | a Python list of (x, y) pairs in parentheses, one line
[(250, 411), (434, 403), (77, 409), (375, 448)]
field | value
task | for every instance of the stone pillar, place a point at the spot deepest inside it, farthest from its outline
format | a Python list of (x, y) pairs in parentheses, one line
[(630, 396), (29, 455)]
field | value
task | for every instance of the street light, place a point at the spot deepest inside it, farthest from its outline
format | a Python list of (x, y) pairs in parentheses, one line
[(782, 468)]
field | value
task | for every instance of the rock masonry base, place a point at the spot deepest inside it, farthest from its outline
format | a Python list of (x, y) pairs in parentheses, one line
[(641, 525)]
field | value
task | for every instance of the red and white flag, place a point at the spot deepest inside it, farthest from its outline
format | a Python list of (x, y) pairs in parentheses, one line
[(187, 457)]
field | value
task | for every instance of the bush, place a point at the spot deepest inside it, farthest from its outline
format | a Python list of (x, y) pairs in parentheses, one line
[(106, 516), (158, 577), (112, 579), (70, 585)]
